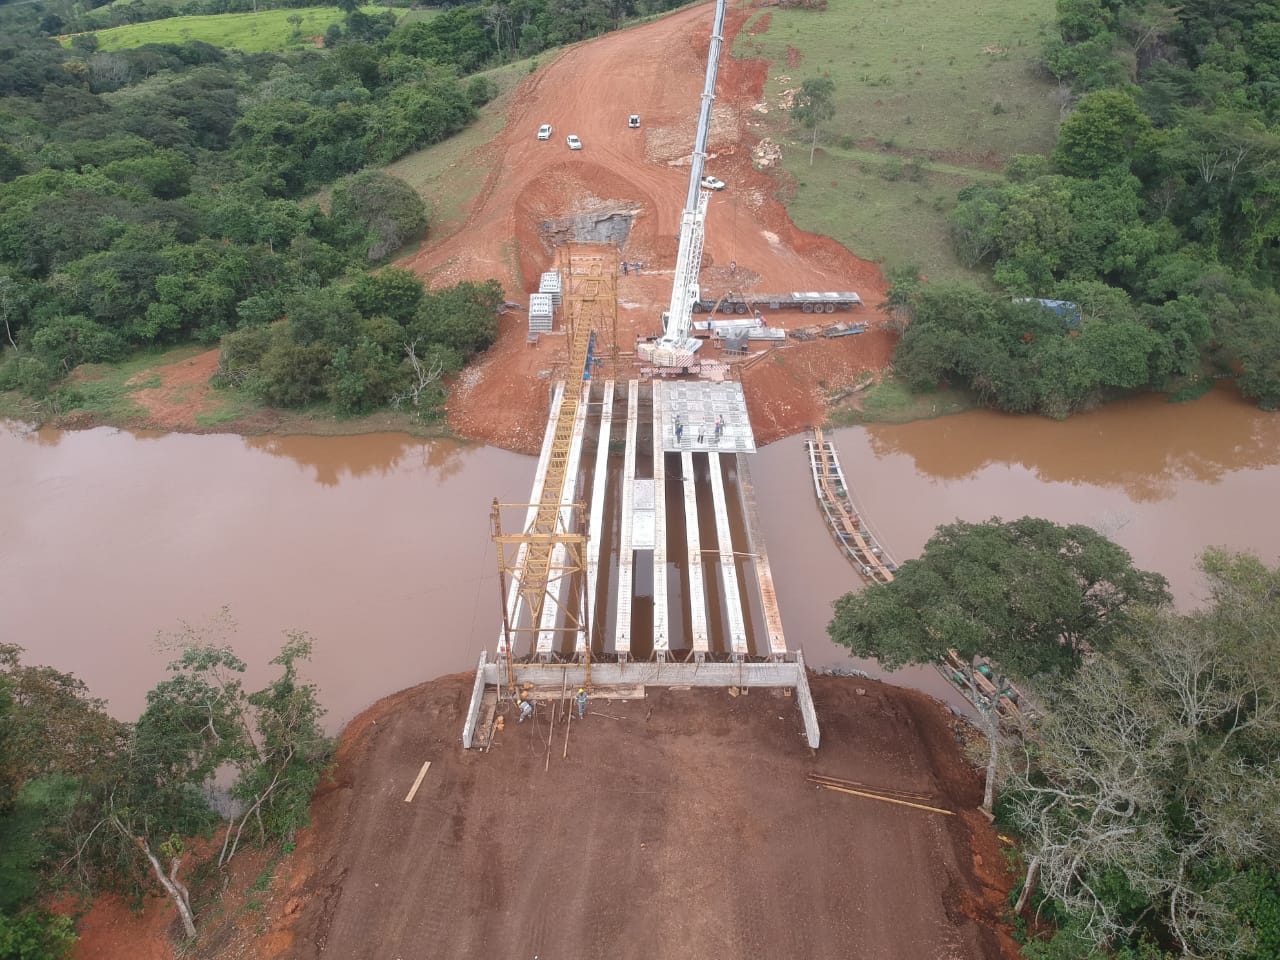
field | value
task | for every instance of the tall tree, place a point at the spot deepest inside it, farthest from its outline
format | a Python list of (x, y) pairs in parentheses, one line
[(904, 281), (813, 106), (1150, 791), (1029, 596), (133, 814)]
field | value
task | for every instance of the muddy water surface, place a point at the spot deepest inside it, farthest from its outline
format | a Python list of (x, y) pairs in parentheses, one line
[(1163, 480), (379, 545), (376, 545)]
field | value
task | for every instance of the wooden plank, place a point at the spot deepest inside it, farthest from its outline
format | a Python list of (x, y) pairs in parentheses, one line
[(876, 796), (417, 783)]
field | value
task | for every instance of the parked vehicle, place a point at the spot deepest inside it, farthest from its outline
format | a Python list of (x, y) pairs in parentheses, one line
[(633, 121), (573, 142), (544, 132), (712, 183)]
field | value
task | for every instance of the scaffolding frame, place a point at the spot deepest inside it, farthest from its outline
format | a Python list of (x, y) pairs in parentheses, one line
[(565, 546)]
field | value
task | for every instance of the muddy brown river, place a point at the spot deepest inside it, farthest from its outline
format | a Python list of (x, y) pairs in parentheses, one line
[(379, 545)]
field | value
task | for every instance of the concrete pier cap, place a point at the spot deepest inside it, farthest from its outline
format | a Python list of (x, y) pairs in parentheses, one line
[(791, 674)]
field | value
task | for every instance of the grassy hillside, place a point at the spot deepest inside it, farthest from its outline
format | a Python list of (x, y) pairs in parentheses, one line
[(251, 32), (930, 95)]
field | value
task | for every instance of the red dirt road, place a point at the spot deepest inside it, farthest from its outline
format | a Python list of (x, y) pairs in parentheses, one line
[(680, 826), (655, 70)]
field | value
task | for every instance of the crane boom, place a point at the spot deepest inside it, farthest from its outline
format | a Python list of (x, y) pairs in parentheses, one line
[(676, 346)]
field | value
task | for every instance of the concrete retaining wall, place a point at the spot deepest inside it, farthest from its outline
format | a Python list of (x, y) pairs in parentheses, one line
[(804, 699), (477, 697)]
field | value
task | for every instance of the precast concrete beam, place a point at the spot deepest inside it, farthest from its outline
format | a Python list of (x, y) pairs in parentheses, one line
[(661, 632), (728, 569), (626, 553), (597, 511), (764, 575), (697, 588), (560, 573), (514, 600)]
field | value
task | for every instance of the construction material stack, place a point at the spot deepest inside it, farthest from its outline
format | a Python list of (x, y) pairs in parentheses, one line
[(551, 285), (541, 313)]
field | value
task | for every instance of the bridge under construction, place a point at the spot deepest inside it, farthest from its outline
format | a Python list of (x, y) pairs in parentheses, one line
[(638, 559)]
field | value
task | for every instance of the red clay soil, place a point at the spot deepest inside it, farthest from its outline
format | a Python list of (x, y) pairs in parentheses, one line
[(655, 70), (680, 825), (112, 930), (182, 394)]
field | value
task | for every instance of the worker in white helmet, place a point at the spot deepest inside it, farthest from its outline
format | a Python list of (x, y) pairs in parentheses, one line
[(581, 701), (526, 708)]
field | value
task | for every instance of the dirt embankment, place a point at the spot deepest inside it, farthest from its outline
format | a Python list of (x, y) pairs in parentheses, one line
[(676, 825), (655, 70), (679, 825)]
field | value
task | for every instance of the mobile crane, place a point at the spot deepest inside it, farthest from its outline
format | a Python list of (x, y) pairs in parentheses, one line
[(677, 345)]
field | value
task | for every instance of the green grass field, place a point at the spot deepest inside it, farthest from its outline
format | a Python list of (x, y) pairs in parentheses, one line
[(251, 32), (949, 83), (891, 402), (879, 207)]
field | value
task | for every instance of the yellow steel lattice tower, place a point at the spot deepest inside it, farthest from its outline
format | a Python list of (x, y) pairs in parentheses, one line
[(552, 546)]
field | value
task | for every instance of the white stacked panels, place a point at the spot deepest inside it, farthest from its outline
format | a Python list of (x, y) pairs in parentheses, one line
[(541, 312), (551, 284)]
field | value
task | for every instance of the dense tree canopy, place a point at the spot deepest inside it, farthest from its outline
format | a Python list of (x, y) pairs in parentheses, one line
[(1029, 597), (1162, 188), (359, 345), (1147, 800), (149, 197)]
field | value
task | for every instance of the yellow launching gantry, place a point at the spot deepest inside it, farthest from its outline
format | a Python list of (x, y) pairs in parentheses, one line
[(542, 578)]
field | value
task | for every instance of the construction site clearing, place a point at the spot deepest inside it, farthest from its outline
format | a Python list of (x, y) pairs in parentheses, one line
[(691, 813), (668, 824), (688, 812)]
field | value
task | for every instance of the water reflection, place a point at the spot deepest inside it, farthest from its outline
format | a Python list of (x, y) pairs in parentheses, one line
[(1146, 446), (332, 459), (1163, 480), (377, 546)]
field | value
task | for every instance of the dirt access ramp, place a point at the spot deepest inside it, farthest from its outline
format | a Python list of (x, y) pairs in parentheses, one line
[(679, 825), (534, 188)]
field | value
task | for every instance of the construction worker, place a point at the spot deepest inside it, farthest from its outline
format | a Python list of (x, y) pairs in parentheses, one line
[(526, 708), (581, 701), (679, 429), (719, 428)]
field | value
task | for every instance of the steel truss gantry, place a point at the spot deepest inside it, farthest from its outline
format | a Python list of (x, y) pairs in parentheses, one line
[(547, 559)]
